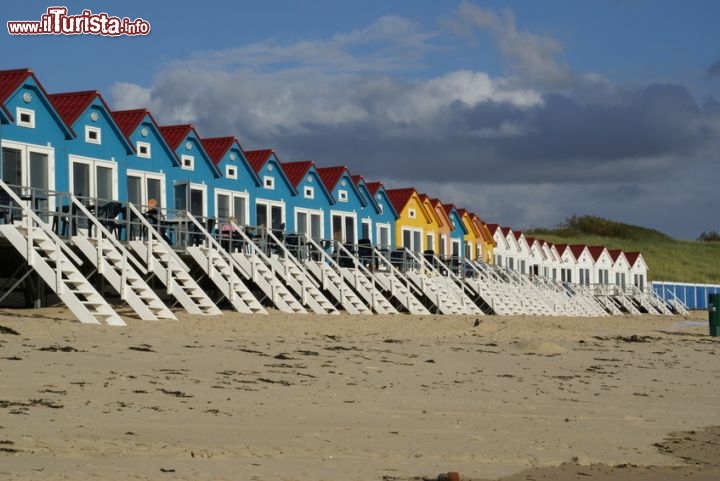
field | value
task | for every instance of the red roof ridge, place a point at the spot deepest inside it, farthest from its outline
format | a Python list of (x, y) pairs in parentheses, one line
[(217, 147), (257, 158), (331, 175), (70, 105), (174, 134), (295, 171)]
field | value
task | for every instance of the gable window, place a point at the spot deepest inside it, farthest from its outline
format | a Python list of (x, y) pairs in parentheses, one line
[(231, 171), (411, 213), (93, 135), (25, 117), (269, 182), (309, 192), (187, 162), (143, 149), (342, 195)]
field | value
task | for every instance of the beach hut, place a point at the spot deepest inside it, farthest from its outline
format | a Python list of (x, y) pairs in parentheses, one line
[(445, 228), (567, 263), (434, 228), (193, 178), (584, 264), (369, 211), (33, 135), (620, 268), (413, 219), (638, 269), (457, 233), (471, 238), (485, 243), (96, 150), (275, 191), (312, 201), (231, 191), (385, 219), (344, 215), (145, 171), (602, 264)]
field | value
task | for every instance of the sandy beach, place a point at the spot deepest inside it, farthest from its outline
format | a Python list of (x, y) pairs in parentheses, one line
[(362, 398)]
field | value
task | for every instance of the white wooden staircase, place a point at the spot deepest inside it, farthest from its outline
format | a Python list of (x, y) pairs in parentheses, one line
[(48, 255), (363, 282), (120, 269), (397, 286), (170, 270)]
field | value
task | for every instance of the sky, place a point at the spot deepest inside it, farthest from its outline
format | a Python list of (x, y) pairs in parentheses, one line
[(523, 112)]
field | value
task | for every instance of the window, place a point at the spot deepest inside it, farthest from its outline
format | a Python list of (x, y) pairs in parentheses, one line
[(25, 117), (510, 263), (430, 242), (143, 149), (620, 279), (93, 178), (191, 198), (309, 192), (231, 171), (411, 213), (383, 236), (498, 260), (309, 222), (365, 228), (187, 162), (639, 281), (343, 227), (28, 165), (412, 239), (269, 182), (342, 195), (270, 214), (93, 135), (231, 204), (143, 186)]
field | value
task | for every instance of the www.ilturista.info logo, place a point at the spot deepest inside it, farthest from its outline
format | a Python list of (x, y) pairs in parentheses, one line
[(57, 22)]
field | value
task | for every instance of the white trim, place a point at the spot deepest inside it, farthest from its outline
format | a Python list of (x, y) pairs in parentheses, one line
[(19, 112), (231, 171), (344, 214), (25, 150), (144, 176), (269, 182), (93, 164), (363, 222), (309, 213), (383, 225), (187, 162), (233, 194), (146, 145), (412, 214), (204, 189), (89, 131), (270, 204), (308, 192), (413, 231), (342, 195)]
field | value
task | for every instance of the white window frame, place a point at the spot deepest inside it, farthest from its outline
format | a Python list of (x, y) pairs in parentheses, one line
[(89, 129), (309, 192), (204, 188), (344, 214), (144, 176), (25, 150), (231, 171), (233, 194), (139, 146), (430, 235), (93, 163), (190, 162), (413, 231), (19, 112), (367, 221), (308, 213), (380, 226), (269, 182), (412, 214), (342, 195), (270, 204)]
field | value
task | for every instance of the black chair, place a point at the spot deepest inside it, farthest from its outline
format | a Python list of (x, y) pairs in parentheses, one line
[(108, 215), (5, 207), (295, 243), (397, 259), (365, 253)]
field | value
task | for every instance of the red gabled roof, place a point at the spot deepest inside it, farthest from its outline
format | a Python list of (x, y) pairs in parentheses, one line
[(560, 248), (577, 249), (596, 251), (128, 120), (400, 197), (217, 147), (257, 158), (374, 187), (296, 171), (448, 208), (632, 257), (506, 230), (493, 228), (331, 176), (615, 253), (71, 105), (174, 134), (357, 179), (10, 81)]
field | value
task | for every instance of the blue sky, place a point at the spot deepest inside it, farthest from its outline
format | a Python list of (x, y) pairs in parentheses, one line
[(525, 112)]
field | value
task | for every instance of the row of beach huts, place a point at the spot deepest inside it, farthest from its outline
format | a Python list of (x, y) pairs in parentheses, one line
[(96, 203)]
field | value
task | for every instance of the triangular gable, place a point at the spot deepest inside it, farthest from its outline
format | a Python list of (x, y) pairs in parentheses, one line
[(451, 212), (482, 228), (427, 205), (441, 213), (129, 121), (71, 105), (635, 258), (12, 80), (360, 183), (296, 172), (377, 188), (400, 198), (564, 251), (578, 250), (498, 234), (332, 176), (175, 135), (218, 147), (259, 158)]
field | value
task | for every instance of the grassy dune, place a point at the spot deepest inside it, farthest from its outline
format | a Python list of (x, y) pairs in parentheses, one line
[(668, 259)]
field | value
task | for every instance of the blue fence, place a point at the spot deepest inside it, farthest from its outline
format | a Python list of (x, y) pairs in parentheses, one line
[(694, 296)]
